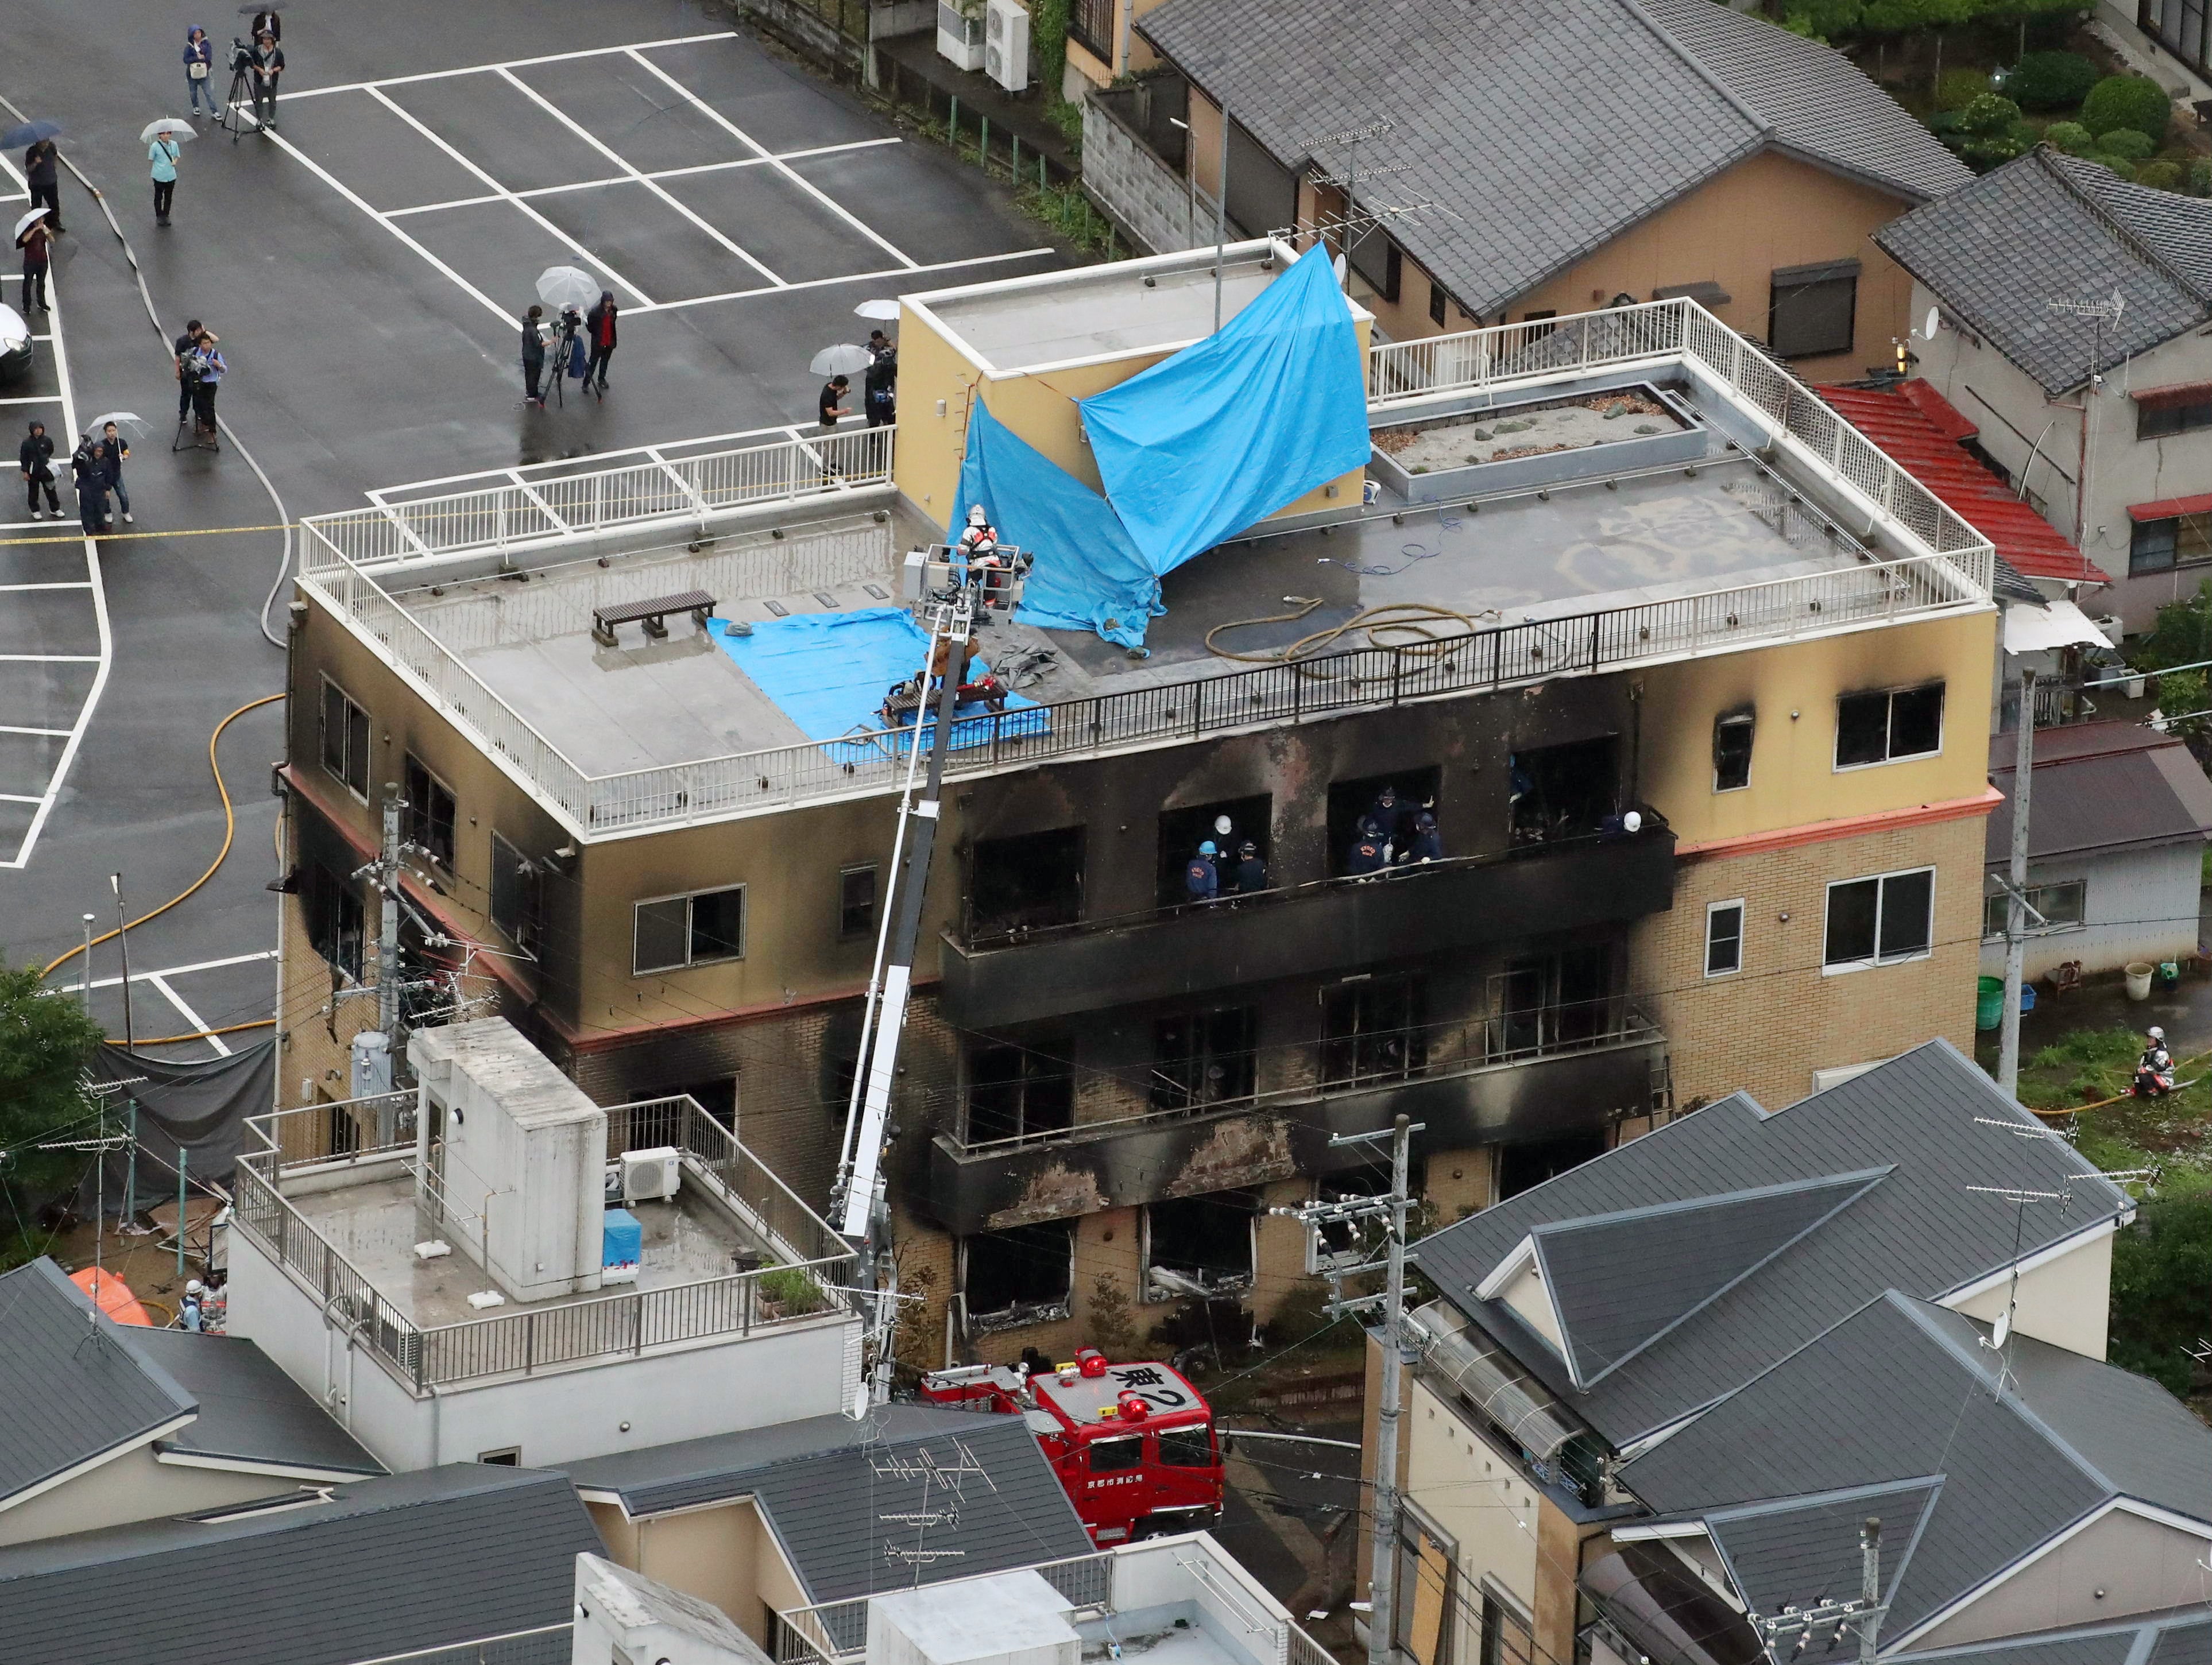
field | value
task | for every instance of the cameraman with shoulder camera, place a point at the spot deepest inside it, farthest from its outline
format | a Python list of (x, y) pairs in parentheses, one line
[(268, 65)]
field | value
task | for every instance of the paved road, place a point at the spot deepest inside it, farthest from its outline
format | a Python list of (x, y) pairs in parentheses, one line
[(362, 268)]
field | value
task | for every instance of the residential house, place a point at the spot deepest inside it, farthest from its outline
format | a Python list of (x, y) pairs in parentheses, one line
[(2117, 818), (1719, 608), (355, 1572), (103, 1423), (1584, 152), (2070, 310), (1585, 1331)]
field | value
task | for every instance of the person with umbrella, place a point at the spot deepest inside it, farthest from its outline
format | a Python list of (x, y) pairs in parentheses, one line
[(42, 170), (163, 146), (91, 487), (601, 322), (882, 380), (33, 236), (111, 449), (199, 65), (566, 288)]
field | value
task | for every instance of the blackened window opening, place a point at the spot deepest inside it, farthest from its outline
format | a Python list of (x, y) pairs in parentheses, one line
[(1018, 1091), (1562, 791), (1026, 883), (1182, 831), (1205, 1241), (1353, 802), (1374, 1030), (1204, 1057), (1026, 1266)]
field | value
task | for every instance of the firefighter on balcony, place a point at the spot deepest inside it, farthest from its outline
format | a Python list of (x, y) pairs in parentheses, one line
[(1370, 850), (1251, 872), (1427, 843), (989, 567), (1202, 879)]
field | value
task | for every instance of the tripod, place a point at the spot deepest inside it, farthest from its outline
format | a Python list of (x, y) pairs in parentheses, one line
[(241, 91), (556, 362)]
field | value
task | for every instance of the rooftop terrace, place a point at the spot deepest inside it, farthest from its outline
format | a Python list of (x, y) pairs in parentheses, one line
[(1751, 514)]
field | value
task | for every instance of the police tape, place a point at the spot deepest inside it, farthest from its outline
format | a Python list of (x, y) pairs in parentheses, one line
[(119, 537)]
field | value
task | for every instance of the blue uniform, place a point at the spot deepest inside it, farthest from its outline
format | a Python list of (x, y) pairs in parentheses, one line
[(1200, 879)]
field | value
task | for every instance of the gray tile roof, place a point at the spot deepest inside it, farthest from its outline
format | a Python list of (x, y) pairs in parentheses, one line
[(1518, 118), (825, 1485), (249, 1412), (1904, 1390), (2050, 228), (1918, 1228), (1620, 1281), (2111, 1645), (387, 1566), (68, 1393), (1775, 1551), (2100, 787)]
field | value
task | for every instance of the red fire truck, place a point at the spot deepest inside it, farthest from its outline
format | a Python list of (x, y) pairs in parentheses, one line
[(1134, 1444)]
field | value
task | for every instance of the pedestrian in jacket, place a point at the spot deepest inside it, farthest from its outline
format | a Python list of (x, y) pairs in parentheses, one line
[(208, 361), (533, 355), (36, 458), (42, 173), (91, 487), (36, 239), (199, 65), (162, 153), (267, 66), (112, 450), (188, 375), (600, 322)]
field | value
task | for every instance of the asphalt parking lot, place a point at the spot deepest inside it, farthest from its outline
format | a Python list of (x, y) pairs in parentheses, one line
[(365, 267)]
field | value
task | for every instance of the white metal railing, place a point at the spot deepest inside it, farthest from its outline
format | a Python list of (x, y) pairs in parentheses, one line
[(549, 1645), (346, 556)]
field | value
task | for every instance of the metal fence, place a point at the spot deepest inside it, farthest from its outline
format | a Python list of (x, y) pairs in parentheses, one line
[(837, 1630), (345, 554)]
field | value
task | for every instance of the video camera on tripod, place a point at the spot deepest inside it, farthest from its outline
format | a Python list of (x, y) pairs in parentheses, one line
[(241, 56)]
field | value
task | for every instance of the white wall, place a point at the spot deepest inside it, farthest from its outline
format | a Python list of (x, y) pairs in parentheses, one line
[(133, 1486), (1480, 1496), (556, 1416), (2137, 905), (2067, 1301)]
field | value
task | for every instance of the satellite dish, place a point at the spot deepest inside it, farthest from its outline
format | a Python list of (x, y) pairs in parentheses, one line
[(2002, 1330), (1935, 322), (1337, 265)]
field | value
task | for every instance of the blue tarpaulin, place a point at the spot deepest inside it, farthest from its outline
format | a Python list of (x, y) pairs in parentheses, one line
[(1269, 407), (829, 673), (1088, 574)]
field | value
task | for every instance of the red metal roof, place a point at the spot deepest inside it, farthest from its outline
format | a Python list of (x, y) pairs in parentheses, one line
[(2170, 508), (2178, 392), (1919, 428)]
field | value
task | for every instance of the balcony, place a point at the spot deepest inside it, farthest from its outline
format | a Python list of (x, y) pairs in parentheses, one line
[(1520, 1078), (1330, 926)]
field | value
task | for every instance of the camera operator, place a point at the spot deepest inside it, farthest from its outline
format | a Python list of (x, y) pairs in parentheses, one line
[(268, 65)]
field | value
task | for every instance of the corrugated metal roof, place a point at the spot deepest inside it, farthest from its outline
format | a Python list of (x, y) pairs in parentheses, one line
[(1919, 430), (2099, 786), (1535, 142), (1919, 1230)]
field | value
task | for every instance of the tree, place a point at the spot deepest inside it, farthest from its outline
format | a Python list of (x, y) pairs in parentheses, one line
[(2162, 1289), (46, 1041), (1111, 1323)]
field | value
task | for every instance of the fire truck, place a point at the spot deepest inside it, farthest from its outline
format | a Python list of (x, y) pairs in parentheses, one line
[(1134, 1444)]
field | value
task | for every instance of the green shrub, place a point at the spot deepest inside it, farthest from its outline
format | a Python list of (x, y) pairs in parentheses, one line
[(1823, 20), (2159, 176), (2161, 1285), (2183, 634), (2135, 101), (1991, 151), (2128, 143), (791, 1289), (2071, 136), (1988, 114), (2051, 81), (2119, 165), (1961, 87), (2200, 177)]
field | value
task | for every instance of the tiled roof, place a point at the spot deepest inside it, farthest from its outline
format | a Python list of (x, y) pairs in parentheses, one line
[(1919, 430), (2049, 228), (250, 1414), (1921, 1117), (2099, 786), (1526, 121)]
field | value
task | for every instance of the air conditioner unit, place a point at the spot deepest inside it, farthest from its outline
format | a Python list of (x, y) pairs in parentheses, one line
[(650, 1174), (960, 37), (1006, 45)]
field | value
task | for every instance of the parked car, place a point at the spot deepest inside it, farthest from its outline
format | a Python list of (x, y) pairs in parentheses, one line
[(15, 346)]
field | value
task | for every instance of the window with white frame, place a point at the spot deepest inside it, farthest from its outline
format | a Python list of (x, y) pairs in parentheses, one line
[(1879, 921), (345, 739), (1888, 725), (672, 933), (2063, 906), (1725, 938)]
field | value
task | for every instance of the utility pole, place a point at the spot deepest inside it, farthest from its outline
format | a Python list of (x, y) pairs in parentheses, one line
[(122, 936), (84, 982), (1220, 216), (1396, 1355), (2023, 775), (1800, 1626), (387, 922)]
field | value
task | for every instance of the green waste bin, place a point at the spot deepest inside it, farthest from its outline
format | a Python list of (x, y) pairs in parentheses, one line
[(1989, 1002)]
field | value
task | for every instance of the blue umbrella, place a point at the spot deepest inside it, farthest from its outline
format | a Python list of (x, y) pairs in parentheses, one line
[(29, 133)]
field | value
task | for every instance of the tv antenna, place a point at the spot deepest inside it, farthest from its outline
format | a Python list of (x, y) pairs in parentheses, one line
[(935, 1475)]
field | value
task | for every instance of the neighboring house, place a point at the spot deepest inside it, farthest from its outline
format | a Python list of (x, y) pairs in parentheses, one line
[(826, 1510), (2010, 262), (1599, 1316), (2117, 818), (375, 1568), (103, 1423), (1573, 152), (2020, 1489)]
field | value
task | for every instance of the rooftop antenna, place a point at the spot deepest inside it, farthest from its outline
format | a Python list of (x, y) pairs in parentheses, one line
[(1352, 138), (101, 1142)]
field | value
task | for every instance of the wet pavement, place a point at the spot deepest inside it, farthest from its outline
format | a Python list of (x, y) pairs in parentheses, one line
[(364, 269)]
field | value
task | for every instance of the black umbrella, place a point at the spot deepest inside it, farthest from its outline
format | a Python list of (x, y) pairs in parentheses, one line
[(29, 133)]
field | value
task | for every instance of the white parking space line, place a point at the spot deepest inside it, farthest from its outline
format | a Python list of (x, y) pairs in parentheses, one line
[(35, 398), (619, 161), (849, 277), (18, 798), (54, 659), (179, 970), (59, 584), (385, 220), (624, 179), (504, 195), (752, 143), (192, 1018), (511, 63), (45, 734)]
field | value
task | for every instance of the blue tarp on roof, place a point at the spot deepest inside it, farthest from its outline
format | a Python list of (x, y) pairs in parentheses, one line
[(829, 673), (1088, 574), (1271, 406)]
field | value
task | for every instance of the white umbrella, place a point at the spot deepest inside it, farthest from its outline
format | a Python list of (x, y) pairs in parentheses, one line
[(130, 419), (841, 361), (167, 128), (566, 286), (876, 309), (28, 222)]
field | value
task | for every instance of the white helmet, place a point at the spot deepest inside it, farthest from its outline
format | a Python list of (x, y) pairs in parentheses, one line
[(1223, 825), (2157, 1034), (193, 1286), (976, 517)]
